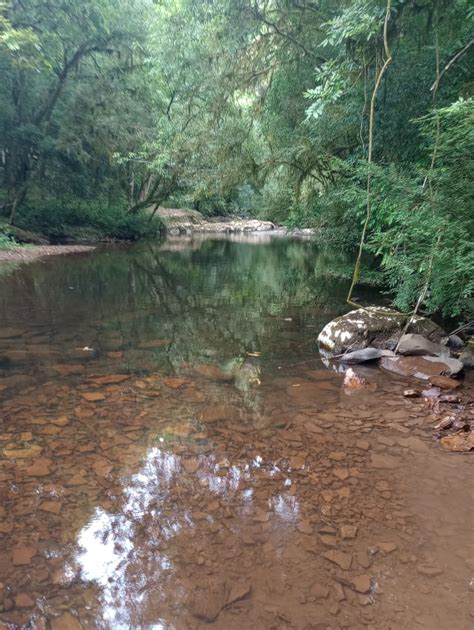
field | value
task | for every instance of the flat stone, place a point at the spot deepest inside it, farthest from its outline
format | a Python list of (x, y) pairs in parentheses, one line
[(51, 506), (348, 532), (217, 414), (342, 559), (62, 421), (445, 382), (378, 460), (40, 468), (328, 540), (305, 527), (23, 600), (461, 442), (22, 554), (341, 473), (363, 559), (101, 467), (337, 456), (23, 453), (66, 621), (422, 367), (359, 583), (174, 382), (93, 396)]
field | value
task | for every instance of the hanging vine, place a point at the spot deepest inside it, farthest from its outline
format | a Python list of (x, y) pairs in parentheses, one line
[(387, 58)]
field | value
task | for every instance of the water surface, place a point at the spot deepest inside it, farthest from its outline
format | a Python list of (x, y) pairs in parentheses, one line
[(175, 454)]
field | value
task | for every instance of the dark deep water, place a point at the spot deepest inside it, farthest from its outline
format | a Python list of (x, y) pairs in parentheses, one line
[(174, 454)]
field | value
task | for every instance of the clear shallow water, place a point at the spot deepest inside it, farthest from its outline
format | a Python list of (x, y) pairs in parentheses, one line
[(175, 454)]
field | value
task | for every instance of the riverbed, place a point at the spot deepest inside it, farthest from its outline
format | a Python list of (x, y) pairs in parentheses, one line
[(175, 455)]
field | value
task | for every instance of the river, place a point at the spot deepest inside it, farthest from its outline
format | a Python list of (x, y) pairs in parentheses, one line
[(175, 454)]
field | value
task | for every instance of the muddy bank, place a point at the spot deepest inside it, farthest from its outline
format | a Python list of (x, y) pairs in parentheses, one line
[(34, 252)]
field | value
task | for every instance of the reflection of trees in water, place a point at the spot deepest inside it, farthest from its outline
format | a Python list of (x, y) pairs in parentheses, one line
[(233, 296), (211, 303)]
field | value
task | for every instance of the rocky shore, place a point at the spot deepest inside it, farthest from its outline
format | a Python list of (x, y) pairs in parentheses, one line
[(179, 221)]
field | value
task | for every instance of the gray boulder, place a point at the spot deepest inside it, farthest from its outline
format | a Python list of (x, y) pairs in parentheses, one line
[(376, 327), (454, 342), (364, 356), (417, 345), (467, 357)]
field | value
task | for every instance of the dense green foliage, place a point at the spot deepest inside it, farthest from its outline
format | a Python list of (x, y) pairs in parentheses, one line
[(257, 107)]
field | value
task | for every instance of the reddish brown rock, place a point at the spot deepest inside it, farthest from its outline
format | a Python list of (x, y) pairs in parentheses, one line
[(348, 532), (445, 382), (92, 396), (342, 559), (66, 621), (305, 527), (23, 453), (22, 554), (23, 600), (217, 413), (352, 380), (461, 442), (40, 468), (174, 382), (51, 506), (359, 583)]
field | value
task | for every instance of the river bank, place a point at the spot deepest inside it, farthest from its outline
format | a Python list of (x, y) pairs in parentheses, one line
[(182, 221), (30, 253)]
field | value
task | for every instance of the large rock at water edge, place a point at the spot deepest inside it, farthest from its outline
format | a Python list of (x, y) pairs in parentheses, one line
[(417, 345), (374, 326), (422, 367)]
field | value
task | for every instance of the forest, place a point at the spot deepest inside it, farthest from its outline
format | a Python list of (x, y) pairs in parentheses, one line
[(354, 117)]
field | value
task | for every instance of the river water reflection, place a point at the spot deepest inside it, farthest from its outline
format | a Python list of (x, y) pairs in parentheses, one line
[(174, 453)]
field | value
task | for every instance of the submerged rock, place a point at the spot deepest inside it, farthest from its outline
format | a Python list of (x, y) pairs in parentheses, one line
[(374, 326), (353, 380)]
